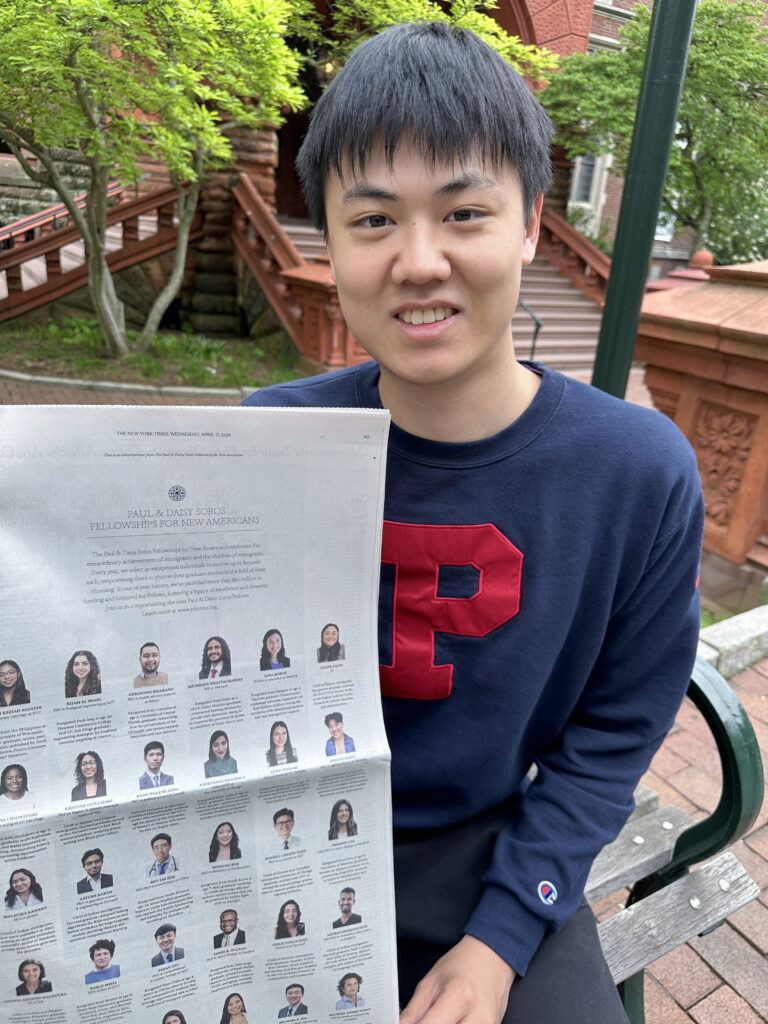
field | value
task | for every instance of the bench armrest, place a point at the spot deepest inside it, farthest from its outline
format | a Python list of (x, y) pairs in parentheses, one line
[(742, 792)]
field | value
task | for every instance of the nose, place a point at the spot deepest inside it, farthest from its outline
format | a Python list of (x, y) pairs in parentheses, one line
[(421, 258)]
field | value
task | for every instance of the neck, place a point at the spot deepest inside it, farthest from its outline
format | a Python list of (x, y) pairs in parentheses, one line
[(468, 410)]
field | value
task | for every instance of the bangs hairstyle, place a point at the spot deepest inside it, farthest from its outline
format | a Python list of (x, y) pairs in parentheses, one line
[(442, 88)]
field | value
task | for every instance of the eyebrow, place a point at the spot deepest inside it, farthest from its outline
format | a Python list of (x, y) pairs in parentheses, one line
[(468, 179)]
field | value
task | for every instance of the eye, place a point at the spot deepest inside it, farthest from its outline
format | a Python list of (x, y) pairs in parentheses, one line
[(372, 220), (465, 215)]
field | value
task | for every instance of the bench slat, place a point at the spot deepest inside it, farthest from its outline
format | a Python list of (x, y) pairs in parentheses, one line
[(645, 931), (625, 861)]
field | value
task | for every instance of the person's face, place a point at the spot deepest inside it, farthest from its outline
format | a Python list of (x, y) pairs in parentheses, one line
[(8, 676), (279, 736), (351, 988), (101, 958), (21, 883), (213, 650), (224, 835), (343, 814), (93, 865), (293, 995), (150, 660), (234, 1005), (427, 262), (162, 850), (220, 747), (284, 826), (166, 941), (81, 666), (336, 728), (14, 780), (228, 923), (274, 643), (330, 636), (153, 759), (290, 913), (88, 766), (346, 902), (30, 973)]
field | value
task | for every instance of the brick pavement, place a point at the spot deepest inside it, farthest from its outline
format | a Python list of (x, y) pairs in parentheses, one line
[(719, 979)]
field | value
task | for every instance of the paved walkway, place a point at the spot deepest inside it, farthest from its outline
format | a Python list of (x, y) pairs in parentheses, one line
[(719, 979)]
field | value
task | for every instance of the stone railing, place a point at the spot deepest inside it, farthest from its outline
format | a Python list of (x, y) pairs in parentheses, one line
[(576, 257), (302, 294), (148, 229)]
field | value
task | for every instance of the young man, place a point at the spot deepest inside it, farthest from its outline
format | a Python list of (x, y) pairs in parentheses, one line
[(541, 539), (149, 659), (154, 755)]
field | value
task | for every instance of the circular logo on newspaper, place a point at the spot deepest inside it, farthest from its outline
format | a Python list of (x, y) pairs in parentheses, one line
[(177, 493), (547, 892)]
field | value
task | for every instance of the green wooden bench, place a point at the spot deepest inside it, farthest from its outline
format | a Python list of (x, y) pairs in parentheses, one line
[(669, 903)]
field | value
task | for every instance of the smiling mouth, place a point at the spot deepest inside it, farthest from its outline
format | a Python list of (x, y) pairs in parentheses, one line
[(425, 316)]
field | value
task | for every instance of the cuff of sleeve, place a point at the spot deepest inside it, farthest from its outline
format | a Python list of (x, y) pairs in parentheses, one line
[(509, 928)]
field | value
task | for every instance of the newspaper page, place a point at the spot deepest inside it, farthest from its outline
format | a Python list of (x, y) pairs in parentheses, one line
[(195, 818)]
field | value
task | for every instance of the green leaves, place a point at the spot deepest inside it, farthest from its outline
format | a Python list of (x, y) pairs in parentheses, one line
[(719, 160), (120, 79)]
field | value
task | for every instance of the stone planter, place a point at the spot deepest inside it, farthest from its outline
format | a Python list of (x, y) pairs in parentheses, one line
[(706, 354)]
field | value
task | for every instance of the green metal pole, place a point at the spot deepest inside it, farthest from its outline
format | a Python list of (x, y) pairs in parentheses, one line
[(668, 44)]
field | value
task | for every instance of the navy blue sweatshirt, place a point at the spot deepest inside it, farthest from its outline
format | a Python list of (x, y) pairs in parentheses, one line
[(538, 605)]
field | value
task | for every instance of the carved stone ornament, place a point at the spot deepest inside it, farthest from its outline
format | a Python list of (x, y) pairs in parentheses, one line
[(722, 439)]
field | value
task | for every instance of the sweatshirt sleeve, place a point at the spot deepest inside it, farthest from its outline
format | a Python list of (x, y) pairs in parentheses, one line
[(583, 792)]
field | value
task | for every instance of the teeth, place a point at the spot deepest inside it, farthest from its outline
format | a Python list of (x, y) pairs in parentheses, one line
[(425, 316)]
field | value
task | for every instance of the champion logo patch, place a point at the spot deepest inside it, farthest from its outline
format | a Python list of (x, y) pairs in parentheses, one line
[(547, 892)]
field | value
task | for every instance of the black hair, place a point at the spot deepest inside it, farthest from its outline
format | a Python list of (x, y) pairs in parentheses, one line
[(175, 1013), (265, 661), (294, 984), (107, 944), (333, 831), (440, 86), (79, 777), (234, 846), (90, 853), (92, 680), (149, 643), (160, 835), (281, 812), (281, 930), (226, 658), (326, 653), (290, 756), (212, 757), (153, 745), (20, 693), (34, 887), (350, 974), (348, 888), (31, 960), (19, 768), (225, 1017), (334, 716), (163, 929)]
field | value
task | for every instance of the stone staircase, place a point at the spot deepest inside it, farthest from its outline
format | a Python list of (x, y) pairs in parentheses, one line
[(570, 327), (570, 321)]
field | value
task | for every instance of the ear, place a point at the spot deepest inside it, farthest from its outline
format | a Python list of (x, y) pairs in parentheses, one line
[(531, 234)]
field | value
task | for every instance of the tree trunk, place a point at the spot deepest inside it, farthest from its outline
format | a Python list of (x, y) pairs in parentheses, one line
[(187, 204), (109, 310)]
